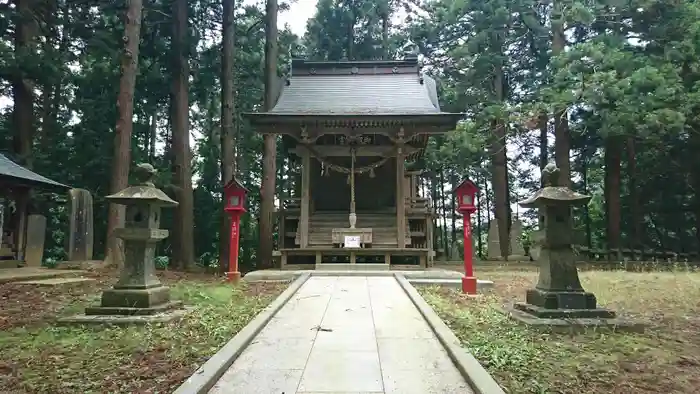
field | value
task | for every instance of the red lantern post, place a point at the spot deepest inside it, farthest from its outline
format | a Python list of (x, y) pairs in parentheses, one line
[(234, 205), (466, 191)]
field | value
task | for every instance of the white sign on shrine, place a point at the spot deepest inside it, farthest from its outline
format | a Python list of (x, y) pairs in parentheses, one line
[(352, 241)]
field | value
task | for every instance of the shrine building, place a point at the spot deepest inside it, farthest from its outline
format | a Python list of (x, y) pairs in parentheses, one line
[(355, 129)]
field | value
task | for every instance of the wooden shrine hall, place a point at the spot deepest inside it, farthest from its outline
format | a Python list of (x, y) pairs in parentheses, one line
[(354, 127)]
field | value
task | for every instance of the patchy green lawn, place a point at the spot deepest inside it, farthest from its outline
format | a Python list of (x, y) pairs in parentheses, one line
[(664, 359), (38, 357)]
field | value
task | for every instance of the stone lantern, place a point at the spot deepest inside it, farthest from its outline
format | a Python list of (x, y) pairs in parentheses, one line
[(138, 291), (558, 296)]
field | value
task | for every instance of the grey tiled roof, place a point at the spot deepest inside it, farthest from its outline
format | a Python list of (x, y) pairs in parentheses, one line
[(20, 175), (353, 94)]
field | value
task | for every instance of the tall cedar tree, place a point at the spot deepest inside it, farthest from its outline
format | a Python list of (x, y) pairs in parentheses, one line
[(267, 191), (124, 128), (183, 242), (228, 163)]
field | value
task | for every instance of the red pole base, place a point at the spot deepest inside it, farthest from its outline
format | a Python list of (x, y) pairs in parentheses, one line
[(469, 285), (233, 277)]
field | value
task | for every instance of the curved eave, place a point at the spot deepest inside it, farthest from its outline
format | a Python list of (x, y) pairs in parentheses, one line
[(433, 119), (48, 186)]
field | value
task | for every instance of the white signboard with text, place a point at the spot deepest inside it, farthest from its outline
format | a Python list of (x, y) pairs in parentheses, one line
[(352, 241)]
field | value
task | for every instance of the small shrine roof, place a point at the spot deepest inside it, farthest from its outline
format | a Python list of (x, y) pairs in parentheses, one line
[(13, 173), (358, 88)]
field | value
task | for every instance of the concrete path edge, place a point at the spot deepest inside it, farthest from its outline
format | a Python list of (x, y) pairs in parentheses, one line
[(473, 372), (206, 376)]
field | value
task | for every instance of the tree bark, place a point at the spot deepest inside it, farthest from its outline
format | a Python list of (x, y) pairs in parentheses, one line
[(635, 208), (228, 162), (542, 124), (23, 97), (122, 136), (499, 178), (613, 151), (267, 191), (385, 31), (183, 242), (443, 204), (562, 141), (152, 132)]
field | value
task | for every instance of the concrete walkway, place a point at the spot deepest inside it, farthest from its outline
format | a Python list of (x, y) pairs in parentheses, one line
[(345, 335)]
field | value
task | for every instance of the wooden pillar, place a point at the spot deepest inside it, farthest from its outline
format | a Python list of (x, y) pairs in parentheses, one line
[(305, 186), (400, 201)]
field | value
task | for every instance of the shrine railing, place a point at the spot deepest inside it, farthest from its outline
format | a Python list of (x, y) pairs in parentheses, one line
[(290, 203), (418, 204)]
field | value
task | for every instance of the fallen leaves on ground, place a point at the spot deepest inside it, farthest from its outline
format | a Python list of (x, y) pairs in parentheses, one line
[(38, 357)]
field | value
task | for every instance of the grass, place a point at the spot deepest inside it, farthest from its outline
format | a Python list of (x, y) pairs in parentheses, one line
[(38, 357), (664, 359)]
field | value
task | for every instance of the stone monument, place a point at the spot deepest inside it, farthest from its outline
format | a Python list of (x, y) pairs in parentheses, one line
[(517, 252), (79, 242), (558, 299), (138, 296), (493, 245), (455, 254), (36, 235)]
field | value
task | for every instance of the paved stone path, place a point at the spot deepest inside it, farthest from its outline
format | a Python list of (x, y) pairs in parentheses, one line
[(346, 335)]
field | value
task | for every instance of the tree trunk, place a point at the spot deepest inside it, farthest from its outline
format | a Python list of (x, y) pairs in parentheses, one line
[(267, 191), (23, 97), (183, 241), (499, 178), (385, 33), (152, 132), (586, 216), (443, 203), (695, 174), (562, 142), (542, 124), (613, 152), (635, 209), (122, 136), (479, 222), (228, 162)]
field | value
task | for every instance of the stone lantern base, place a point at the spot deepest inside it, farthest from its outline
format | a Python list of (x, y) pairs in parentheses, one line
[(131, 302), (131, 306), (562, 305), (569, 321)]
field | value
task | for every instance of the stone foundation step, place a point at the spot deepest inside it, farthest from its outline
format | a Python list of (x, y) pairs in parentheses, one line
[(56, 281), (32, 273), (351, 267), (481, 285)]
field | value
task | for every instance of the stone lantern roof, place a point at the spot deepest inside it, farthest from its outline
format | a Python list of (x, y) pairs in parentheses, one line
[(143, 192), (552, 193)]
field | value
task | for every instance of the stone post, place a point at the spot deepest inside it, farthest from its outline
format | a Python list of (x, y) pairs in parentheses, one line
[(493, 245), (138, 291), (517, 252), (80, 239), (558, 294), (36, 235)]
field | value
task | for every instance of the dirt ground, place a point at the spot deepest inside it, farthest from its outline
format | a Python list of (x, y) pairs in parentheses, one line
[(39, 357), (663, 359)]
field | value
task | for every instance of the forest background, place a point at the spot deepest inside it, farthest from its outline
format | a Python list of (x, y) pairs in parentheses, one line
[(606, 88)]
